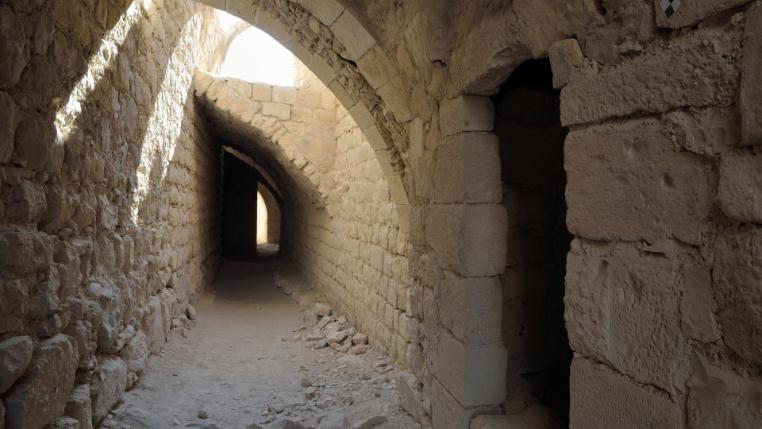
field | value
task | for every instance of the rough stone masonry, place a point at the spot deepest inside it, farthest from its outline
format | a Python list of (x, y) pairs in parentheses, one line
[(389, 164)]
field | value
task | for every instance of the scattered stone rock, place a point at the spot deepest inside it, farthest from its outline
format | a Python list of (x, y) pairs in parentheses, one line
[(336, 337), (314, 336), (370, 422), (287, 424), (322, 309), (15, 355), (359, 349), (65, 423), (359, 338)]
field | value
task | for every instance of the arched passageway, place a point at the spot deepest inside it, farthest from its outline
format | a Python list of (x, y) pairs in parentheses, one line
[(399, 219)]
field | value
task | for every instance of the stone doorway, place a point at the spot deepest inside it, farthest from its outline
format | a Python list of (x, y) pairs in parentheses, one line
[(527, 122)]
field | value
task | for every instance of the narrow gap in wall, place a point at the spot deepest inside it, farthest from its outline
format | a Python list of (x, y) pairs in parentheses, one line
[(250, 214), (527, 122)]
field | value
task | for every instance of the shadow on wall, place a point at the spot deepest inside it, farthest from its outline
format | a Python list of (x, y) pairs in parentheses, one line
[(117, 198), (527, 121)]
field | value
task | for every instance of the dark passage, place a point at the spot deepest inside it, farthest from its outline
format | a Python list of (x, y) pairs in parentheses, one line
[(245, 236), (527, 121)]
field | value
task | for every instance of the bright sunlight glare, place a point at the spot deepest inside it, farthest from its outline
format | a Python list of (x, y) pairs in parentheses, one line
[(254, 56)]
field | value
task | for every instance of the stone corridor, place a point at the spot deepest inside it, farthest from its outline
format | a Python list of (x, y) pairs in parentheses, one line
[(456, 214)]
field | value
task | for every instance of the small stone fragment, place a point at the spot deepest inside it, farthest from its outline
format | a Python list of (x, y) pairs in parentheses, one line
[(359, 338), (370, 422)]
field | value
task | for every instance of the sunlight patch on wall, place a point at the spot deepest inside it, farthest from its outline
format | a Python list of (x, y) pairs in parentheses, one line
[(99, 65), (261, 220), (165, 125)]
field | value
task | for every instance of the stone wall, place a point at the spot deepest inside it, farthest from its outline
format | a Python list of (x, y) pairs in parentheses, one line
[(353, 250), (108, 219)]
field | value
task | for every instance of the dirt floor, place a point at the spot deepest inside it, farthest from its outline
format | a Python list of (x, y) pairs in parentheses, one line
[(242, 366)]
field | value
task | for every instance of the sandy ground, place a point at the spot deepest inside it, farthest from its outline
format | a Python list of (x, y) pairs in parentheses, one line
[(240, 367)]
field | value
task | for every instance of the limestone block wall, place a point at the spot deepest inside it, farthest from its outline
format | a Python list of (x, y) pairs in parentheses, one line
[(354, 251), (108, 212)]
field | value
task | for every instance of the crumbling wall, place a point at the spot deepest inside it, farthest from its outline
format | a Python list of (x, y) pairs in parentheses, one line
[(108, 220)]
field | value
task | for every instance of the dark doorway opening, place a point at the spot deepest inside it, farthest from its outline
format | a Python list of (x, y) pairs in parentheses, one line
[(527, 122), (251, 212)]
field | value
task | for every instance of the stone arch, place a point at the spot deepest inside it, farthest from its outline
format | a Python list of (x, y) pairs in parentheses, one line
[(339, 50), (262, 137)]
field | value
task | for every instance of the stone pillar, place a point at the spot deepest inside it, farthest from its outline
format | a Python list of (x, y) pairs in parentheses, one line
[(466, 228)]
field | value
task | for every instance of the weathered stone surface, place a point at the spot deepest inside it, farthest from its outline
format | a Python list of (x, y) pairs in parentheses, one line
[(741, 186), (109, 383), (690, 71), (325, 10), (15, 355), (467, 169), (65, 423), (34, 141), (85, 339), (751, 73), (565, 58), (474, 374), (721, 398), (13, 304), (454, 231), (705, 131), (12, 48), (736, 280), (466, 113), (40, 395), (351, 33), (628, 405), (697, 305), (78, 406), (108, 298), (376, 66), (156, 324), (7, 126), (411, 398), (623, 308), (135, 355), (607, 165), (471, 308)]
